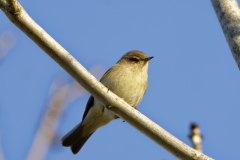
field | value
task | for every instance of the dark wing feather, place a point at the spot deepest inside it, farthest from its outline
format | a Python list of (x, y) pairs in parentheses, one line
[(88, 106), (91, 99)]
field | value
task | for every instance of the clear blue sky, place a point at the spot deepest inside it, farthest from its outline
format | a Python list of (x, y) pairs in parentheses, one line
[(192, 78)]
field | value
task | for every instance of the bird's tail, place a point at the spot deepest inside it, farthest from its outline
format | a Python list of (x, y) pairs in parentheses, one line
[(74, 139)]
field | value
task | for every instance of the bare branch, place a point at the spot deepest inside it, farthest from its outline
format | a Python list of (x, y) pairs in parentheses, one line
[(228, 14), (48, 126), (62, 95), (99, 91)]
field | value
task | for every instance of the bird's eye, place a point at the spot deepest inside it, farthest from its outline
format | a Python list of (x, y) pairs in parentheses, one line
[(134, 59)]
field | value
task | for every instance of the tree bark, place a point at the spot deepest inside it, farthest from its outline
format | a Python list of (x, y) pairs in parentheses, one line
[(228, 14)]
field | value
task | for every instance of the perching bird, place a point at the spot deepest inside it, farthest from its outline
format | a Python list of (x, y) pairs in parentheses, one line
[(128, 80)]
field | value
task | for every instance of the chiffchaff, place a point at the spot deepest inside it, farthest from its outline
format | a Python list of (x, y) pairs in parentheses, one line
[(127, 79)]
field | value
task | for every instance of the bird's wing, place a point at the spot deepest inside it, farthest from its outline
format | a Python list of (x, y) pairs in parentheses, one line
[(91, 99), (106, 73), (88, 106)]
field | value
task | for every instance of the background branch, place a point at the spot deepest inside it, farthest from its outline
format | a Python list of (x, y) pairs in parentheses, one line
[(92, 85), (7, 42), (63, 94), (46, 131), (228, 14)]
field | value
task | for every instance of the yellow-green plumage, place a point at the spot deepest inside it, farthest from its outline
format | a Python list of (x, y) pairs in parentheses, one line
[(127, 79)]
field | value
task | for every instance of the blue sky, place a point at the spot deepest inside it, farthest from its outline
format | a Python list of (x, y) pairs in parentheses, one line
[(192, 78)]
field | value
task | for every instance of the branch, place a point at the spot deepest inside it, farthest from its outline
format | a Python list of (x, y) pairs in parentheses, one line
[(57, 103), (228, 14), (99, 91), (47, 129), (13, 6)]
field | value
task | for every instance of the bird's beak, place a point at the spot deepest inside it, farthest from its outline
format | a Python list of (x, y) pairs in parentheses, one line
[(148, 59)]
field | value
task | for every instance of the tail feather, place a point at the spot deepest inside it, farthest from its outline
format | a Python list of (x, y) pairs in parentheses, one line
[(78, 145), (74, 140), (71, 137)]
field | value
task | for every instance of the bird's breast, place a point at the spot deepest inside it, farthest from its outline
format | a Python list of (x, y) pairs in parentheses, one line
[(127, 84)]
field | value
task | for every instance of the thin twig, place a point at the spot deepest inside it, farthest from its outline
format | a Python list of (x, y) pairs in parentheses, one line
[(196, 137)]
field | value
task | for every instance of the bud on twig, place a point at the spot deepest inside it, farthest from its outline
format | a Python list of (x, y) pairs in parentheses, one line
[(196, 137)]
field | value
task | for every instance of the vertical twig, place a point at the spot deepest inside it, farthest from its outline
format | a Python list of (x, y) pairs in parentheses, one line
[(196, 137)]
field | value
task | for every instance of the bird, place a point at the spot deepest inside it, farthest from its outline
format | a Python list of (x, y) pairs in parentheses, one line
[(128, 79)]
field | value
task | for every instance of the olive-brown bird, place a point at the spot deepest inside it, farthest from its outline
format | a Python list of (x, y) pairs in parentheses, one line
[(128, 80)]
